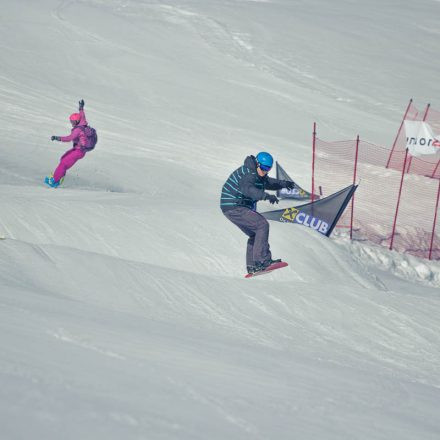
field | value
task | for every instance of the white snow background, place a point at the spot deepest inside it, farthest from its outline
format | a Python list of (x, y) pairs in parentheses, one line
[(124, 313)]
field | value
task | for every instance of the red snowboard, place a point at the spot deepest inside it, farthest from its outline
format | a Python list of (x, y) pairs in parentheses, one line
[(269, 269)]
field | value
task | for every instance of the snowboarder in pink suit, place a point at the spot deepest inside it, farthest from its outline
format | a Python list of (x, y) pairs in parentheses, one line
[(77, 152)]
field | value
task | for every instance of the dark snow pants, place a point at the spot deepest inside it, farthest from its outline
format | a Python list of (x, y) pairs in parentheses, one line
[(256, 227)]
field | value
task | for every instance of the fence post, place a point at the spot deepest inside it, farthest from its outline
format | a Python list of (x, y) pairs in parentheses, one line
[(313, 161), (435, 169), (398, 200), (426, 112), (409, 164), (398, 132), (435, 221), (354, 183)]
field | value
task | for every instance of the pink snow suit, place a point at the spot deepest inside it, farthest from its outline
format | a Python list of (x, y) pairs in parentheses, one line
[(70, 157)]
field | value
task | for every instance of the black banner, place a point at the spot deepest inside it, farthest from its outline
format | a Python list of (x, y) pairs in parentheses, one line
[(296, 193), (321, 215)]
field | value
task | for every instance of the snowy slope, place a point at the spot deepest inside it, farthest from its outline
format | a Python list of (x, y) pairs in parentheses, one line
[(124, 312)]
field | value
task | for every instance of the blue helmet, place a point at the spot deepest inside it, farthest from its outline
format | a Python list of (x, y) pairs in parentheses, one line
[(264, 161)]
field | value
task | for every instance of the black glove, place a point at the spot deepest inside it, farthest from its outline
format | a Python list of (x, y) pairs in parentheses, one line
[(81, 104), (271, 198), (289, 185), (55, 138)]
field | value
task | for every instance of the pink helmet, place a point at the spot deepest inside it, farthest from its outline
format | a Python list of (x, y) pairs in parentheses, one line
[(75, 117)]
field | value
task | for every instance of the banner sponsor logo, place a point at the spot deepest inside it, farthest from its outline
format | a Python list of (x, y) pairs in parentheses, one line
[(293, 215), (289, 214), (293, 192), (420, 139)]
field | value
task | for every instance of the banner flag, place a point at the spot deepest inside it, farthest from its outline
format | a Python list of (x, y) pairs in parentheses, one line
[(321, 215), (420, 139), (296, 193)]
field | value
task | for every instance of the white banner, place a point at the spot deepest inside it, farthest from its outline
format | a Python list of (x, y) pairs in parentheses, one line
[(420, 139)]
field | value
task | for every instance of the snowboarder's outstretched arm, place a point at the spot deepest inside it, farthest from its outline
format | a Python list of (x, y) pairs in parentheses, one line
[(275, 184), (74, 136), (83, 120)]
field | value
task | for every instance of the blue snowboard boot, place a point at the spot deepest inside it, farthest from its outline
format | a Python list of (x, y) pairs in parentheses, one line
[(51, 182)]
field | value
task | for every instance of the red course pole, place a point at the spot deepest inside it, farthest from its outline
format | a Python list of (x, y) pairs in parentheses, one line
[(409, 164), (435, 222), (398, 200), (354, 182), (435, 169), (426, 112), (313, 161), (398, 133)]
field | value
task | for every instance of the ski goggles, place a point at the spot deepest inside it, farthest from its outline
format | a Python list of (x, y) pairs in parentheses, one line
[(264, 167)]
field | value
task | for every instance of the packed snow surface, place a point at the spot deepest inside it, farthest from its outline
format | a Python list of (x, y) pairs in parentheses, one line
[(124, 313)]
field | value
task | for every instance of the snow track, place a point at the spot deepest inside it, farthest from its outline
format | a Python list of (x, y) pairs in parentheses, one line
[(153, 324)]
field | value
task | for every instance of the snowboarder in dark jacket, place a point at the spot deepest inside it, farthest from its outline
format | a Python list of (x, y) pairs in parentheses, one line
[(240, 194)]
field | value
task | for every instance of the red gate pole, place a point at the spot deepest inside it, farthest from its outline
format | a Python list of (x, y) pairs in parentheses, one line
[(409, 164), (435, 222), (398, 132), (354, 182), (398, 200), (426, 112), (313, 161), (435, 169)]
